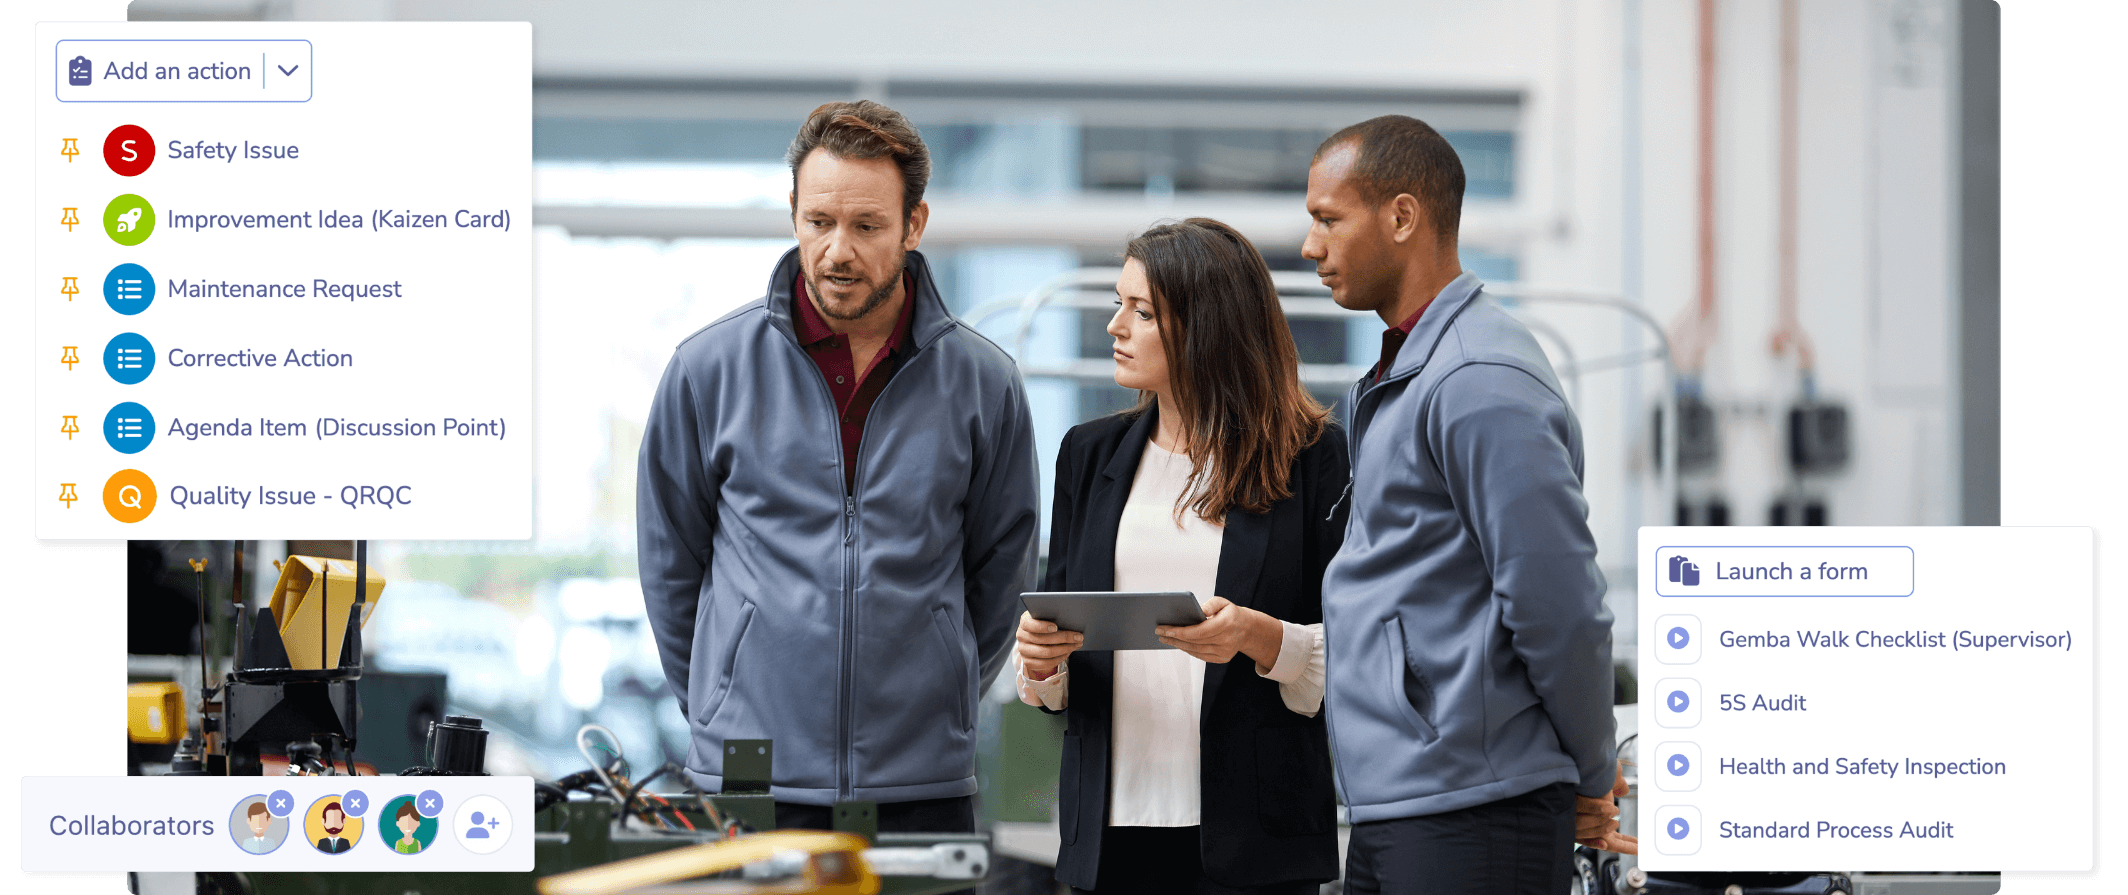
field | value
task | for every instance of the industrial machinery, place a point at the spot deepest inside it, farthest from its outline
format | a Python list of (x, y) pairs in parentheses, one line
[(291, 688), (289, 704)]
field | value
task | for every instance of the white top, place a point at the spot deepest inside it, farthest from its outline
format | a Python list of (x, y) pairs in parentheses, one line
[(1153, 765)]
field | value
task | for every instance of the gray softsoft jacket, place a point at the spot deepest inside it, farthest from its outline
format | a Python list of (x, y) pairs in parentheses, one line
[(1469, 651), (853, 631)]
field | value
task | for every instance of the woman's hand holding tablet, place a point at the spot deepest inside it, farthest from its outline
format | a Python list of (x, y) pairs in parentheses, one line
[(1227, 629), (1043, 647)]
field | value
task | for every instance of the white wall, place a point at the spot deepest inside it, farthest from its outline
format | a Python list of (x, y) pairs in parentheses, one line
[(1876, 282)]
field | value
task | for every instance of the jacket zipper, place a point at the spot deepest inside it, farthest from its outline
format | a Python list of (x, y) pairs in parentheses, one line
[(1343, 494), (1352, 456), (1360, 392), (849, 511), (849, 574), (844, 704)]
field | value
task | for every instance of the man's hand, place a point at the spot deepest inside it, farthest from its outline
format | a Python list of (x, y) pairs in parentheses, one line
[(1042, 648), (1227, 629), (1596, 820)]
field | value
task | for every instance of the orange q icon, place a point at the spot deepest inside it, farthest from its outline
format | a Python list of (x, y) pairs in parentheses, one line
[(129, 496)]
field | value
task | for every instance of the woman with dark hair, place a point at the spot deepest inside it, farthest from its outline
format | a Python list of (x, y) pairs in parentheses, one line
[(1205, 768)]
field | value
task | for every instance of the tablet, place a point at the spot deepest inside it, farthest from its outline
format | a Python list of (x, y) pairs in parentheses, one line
[(1115, 620)]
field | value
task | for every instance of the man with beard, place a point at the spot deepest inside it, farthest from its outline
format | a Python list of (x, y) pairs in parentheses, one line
[(836, 503), (334, 820)]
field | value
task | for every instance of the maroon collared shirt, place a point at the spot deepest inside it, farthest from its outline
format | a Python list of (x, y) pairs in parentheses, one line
[(854, 392), (1393, 341)]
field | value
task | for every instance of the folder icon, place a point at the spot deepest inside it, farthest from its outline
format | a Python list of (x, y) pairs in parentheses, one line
[(310, 586)]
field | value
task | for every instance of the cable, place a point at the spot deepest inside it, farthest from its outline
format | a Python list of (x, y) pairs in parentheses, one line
[(585, 748), (545, 795), (629, 799), (674, 811)]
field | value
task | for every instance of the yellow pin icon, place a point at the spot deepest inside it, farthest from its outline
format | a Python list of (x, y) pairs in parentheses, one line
[(70, 217), (71, 425), (69, 355), (71, 288), (71, 149), (66, 494)]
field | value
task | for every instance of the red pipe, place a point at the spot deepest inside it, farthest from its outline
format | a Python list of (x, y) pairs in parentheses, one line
[(1789, 333)]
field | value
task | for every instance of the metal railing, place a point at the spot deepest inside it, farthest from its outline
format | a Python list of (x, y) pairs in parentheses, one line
[(1304, 297)]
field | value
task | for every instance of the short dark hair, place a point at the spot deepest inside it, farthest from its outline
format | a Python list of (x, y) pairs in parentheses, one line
[(332, 807), (405, 811), (1401, 154), (256, 809), (865, 130)]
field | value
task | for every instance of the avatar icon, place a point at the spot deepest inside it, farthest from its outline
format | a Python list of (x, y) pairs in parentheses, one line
[(335, 822), (255, 828), (329, 826), (415, 831)]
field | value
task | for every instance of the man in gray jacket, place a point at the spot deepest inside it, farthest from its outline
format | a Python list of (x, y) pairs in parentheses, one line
[(836, 503), (1469, 651)]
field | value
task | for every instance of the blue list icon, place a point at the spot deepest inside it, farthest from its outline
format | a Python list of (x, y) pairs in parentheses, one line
[(129, 289), (129, 428), (129, 358), (79, 71)]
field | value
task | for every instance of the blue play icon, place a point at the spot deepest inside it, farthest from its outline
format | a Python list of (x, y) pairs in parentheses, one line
[(1679, 701), (1679, 637), (1678, 828), (1679, 764)]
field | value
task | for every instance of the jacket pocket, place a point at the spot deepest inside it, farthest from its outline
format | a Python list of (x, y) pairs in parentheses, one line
[(1408, 690), (731, 666), (952, 655), (1293, 792), (1068, 774)]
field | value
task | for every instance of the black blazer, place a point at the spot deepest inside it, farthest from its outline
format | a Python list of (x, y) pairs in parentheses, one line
[(1269, 809)]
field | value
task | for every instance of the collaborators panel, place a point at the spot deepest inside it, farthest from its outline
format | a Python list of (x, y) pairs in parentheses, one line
[(1832, 698), (282, 824), (283, 280)]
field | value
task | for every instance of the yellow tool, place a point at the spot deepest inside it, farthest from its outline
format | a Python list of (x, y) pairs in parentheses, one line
[(306, 585), (819, 862), (155, 712)]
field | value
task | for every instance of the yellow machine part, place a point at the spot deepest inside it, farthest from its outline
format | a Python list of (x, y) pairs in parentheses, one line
[(306, 585), (155, 713), (835, 865)]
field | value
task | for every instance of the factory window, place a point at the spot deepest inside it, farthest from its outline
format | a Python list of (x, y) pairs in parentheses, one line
[(1266, 160), (701, 140)]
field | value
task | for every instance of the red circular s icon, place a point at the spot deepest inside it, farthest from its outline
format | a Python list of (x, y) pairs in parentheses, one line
[(129, 150)]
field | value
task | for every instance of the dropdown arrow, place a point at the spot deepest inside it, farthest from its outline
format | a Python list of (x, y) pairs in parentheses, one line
[(287, 70)]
